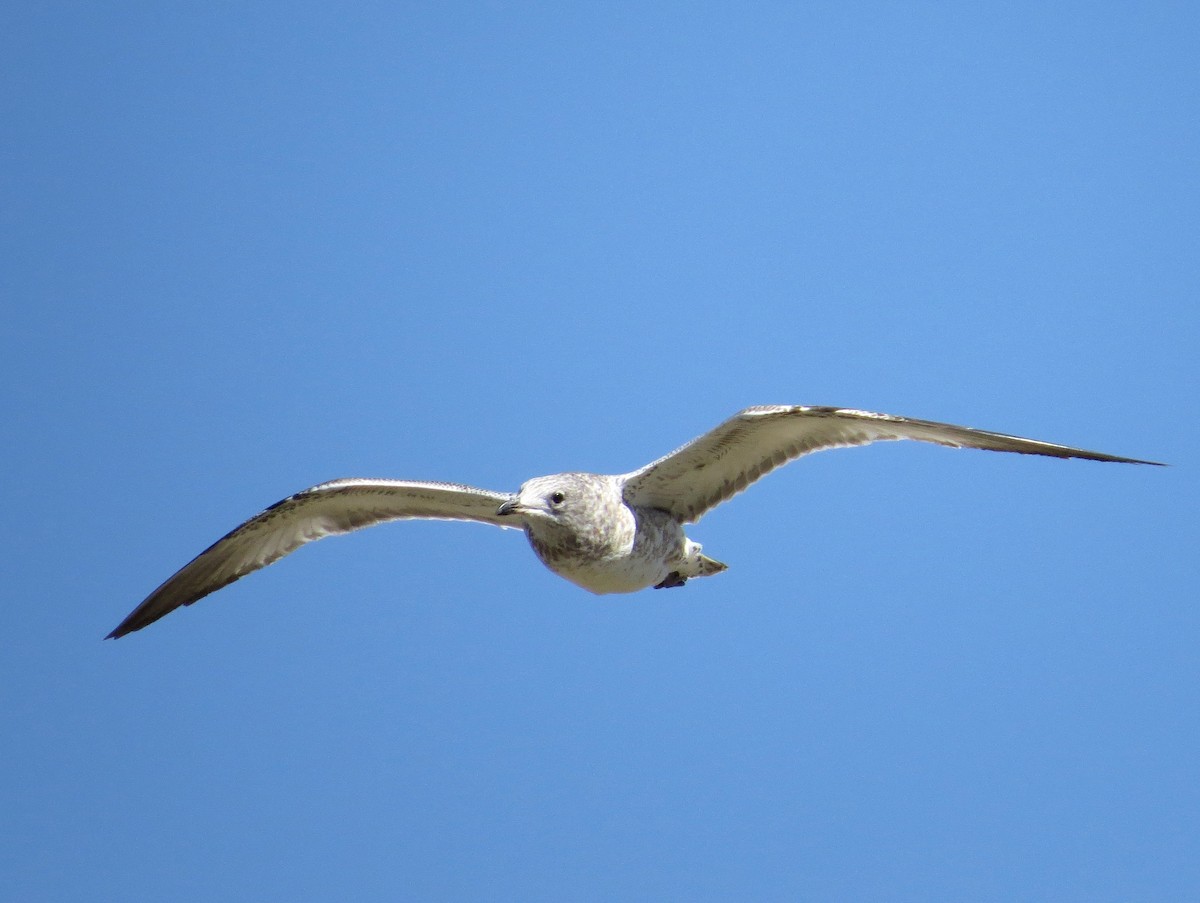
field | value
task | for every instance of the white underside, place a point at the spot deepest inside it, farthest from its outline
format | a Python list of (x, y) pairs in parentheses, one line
[(620, 576), (633, 572)]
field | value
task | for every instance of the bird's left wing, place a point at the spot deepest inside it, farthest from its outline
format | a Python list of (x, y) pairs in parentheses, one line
[(325, 510), (708, 470)]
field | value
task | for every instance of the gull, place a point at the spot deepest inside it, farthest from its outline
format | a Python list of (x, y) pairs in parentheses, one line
[(606, 533)]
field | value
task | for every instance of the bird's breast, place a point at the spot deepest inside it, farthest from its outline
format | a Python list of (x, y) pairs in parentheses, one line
[(637, 550)]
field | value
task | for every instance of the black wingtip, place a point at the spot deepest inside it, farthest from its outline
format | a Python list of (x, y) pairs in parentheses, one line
[(135, 621), (1110, 459)]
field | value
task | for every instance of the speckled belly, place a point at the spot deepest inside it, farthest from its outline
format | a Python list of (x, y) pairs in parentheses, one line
[(655, 549)]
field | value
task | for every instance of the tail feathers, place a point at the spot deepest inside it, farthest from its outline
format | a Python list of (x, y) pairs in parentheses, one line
[(699, 566)]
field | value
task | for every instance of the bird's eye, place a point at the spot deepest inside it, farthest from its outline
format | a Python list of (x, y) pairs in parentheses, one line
[(558, 498)]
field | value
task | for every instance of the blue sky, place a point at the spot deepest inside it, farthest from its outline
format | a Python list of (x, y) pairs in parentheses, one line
[(248, 248)]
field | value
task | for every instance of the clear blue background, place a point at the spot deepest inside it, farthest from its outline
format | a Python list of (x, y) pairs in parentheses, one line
[(251, 247)]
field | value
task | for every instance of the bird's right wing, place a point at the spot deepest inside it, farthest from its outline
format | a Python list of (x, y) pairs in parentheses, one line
[(724, 461), (325, 510)]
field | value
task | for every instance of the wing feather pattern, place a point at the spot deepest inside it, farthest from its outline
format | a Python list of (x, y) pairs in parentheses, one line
[(331, 508), (711, 469)]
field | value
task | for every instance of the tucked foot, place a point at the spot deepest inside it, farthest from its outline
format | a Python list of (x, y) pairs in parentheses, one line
[(672, 579)]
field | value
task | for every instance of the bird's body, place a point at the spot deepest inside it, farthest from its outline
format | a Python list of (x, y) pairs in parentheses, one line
[(605, 533), (598, 541)]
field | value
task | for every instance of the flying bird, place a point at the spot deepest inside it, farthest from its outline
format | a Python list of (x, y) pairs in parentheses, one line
[(606, 533)]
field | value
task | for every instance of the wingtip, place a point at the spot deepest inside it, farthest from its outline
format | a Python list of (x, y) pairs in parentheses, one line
[(1104, 458), (126, 627)]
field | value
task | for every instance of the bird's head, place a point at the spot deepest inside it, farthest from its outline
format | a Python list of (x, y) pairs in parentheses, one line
[(571, 500)]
